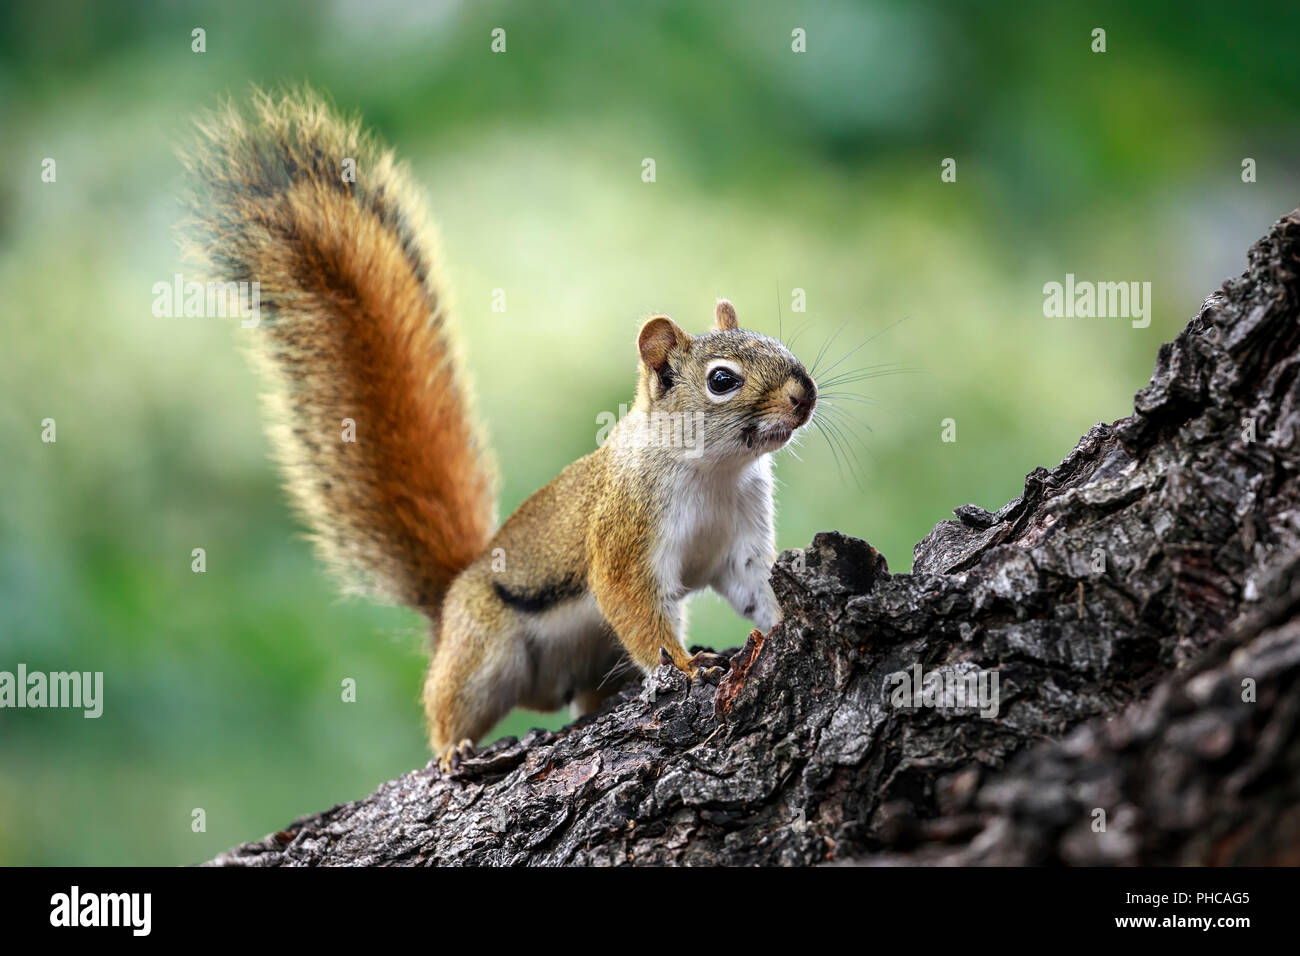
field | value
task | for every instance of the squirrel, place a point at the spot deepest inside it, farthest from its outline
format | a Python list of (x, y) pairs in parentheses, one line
[(592, 570)]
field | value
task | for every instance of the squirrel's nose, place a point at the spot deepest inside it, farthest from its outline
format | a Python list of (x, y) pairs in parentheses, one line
[(802, 399)]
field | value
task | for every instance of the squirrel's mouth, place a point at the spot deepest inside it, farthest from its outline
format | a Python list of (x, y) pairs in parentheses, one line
[(766, 438)]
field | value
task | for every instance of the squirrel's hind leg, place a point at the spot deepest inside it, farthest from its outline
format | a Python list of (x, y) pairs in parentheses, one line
[(475, 677)]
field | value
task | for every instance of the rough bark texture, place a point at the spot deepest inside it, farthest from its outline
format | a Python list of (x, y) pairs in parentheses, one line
[(1139, 605)]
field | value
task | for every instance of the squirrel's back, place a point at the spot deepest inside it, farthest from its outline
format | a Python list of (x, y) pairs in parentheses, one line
[(353, 327)]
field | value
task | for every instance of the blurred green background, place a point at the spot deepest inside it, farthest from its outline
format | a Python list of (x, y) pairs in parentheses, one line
[(775, 170)]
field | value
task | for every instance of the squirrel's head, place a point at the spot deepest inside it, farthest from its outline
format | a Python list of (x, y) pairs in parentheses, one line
[(739, 394)]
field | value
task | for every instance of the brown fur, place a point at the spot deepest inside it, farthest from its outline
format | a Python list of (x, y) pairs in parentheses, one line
[(355, 328)]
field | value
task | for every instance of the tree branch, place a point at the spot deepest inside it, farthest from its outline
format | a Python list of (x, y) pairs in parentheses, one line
[(1143, 580)]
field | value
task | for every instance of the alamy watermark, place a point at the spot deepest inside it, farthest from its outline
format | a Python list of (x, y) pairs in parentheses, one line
[(657, 429), (132, 911), (948, 688), (1102, 300), (209, 300), (74, 689)]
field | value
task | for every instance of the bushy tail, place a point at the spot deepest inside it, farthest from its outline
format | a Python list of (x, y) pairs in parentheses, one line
[(353, 327)]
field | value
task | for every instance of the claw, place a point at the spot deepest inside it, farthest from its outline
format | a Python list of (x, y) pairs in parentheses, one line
[(707, 660), (708, 668), (704, 666), (709, 675), (453, 755)]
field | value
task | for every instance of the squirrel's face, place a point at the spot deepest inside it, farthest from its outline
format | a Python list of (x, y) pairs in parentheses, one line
[(738, 394)]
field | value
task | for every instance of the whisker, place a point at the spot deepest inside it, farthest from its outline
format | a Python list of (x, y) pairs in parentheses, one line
[(866, 373), (817, 423), (856, 470), (878, 366), (798, 332), (852, 427), (822, 353), (865, 342), (840, 451), (620, 667), (832, 407), (830, 398)]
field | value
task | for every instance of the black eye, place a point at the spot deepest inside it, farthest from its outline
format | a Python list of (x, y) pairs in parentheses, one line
[(723, 380)]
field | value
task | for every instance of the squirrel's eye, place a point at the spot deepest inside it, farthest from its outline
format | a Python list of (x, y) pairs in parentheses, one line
[(722, 380)]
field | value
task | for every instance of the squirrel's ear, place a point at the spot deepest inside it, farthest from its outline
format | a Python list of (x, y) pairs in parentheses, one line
[(659, 338), (724, 316)]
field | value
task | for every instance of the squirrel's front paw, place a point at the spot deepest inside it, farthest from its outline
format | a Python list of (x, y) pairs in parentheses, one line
[(709, 667), (704, 666), (454, 754)]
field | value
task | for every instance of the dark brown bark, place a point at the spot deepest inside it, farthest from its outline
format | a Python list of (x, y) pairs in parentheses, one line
[(1121, 601)]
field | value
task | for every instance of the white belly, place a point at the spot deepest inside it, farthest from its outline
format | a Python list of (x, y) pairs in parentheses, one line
[(570, 649), (709, 523)]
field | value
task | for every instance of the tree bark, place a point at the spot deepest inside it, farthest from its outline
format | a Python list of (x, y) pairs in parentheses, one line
[(1139, 606)]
